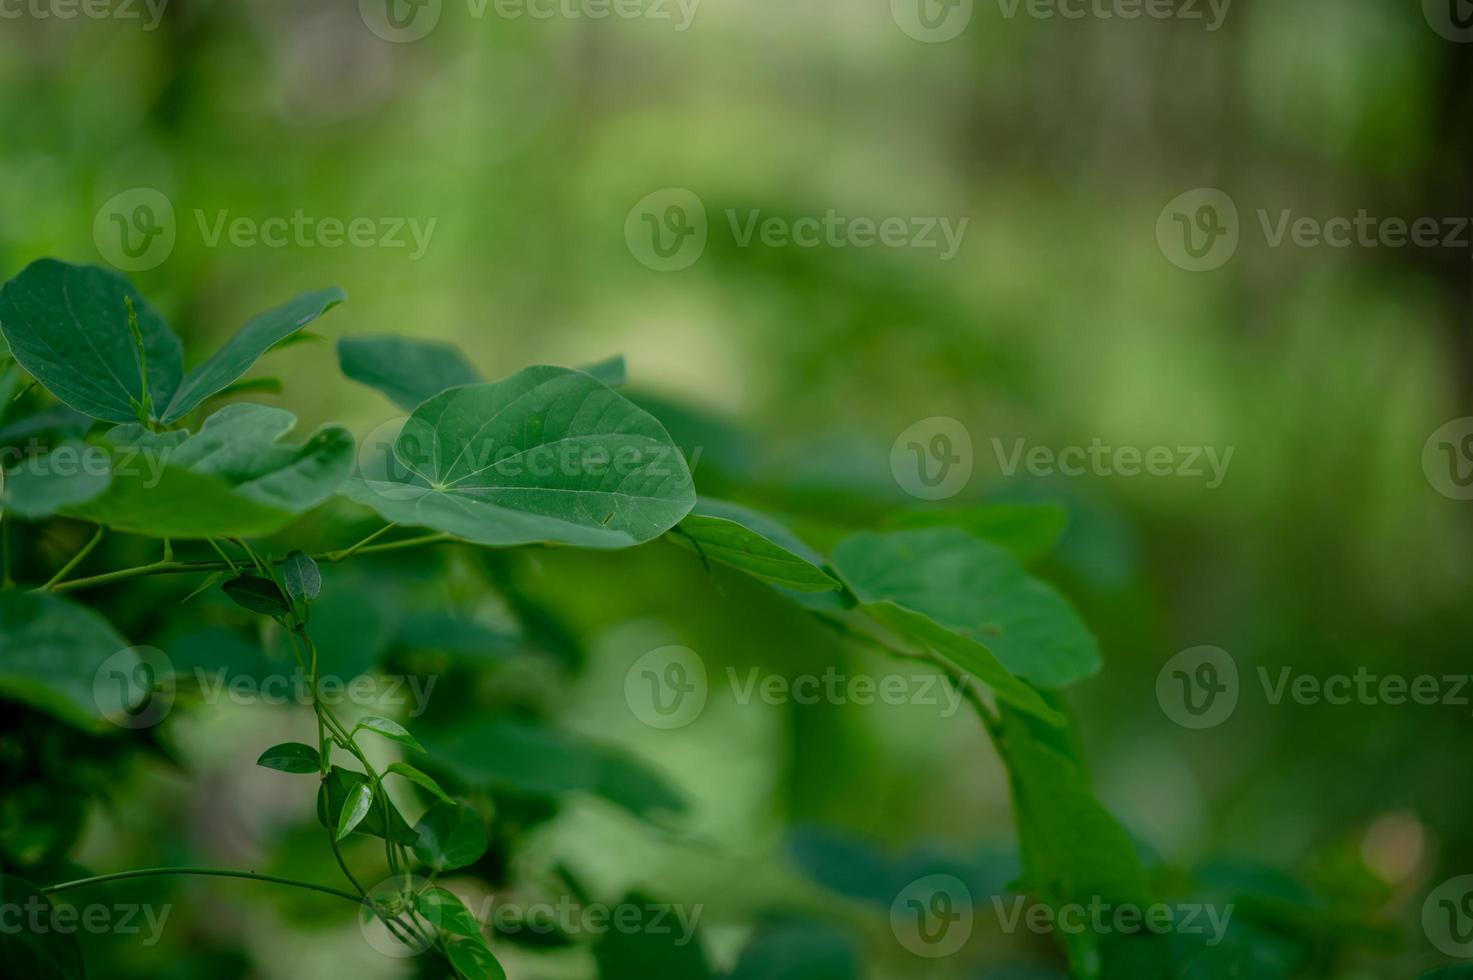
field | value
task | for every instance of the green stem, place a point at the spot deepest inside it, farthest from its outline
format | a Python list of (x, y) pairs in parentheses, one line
[(337, 556), (206, 872), (77, 559)]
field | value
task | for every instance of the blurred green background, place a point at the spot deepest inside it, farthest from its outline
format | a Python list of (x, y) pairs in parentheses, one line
[(529, 144)]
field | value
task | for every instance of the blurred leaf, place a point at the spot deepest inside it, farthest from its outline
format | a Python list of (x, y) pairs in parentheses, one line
[(391, 730), (408, 371), (642, 953), (448, 913), (612, 371), (301, 576), (419, 779), (1029, 531), (450, 836), (472, 960), (45, 953), (490, 463), (798, 951), (360, 798), (246, 347), (259, 595), (291, 757), (69, 327), (752, 543), (64, 659), (250, 386), (71, 473), (978, 592)]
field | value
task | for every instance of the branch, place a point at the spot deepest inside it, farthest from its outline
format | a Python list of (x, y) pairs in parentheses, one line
[(207, 872)]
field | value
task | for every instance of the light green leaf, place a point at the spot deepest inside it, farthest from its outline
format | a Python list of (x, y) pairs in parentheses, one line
[(302, 577), (472, 960), (450, 835), (447, 913), (976, 591), (233, 478), (1029, 531), (419, 779), (360, 798), (64, 659), (71, 473), (44, 953), (547, 455), (69, 327), (246, 347), (291, 757), (407, 371), (752, 543), (391, 730)]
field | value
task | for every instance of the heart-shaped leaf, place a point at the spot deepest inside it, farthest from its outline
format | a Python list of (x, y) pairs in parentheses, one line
[(290, 757), (548, 455), (755, 544), (246, 347), (450, 836), (360, 798), (72, 328)]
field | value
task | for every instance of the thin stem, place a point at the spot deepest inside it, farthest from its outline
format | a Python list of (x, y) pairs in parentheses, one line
[(206, 872), (221, 552), (337, 556), (76, 559)]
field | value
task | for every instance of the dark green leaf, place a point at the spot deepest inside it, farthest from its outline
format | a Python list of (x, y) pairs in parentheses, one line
[(259, 595), (69, 327), (334, 794), (250, 386), (301, 576), (548, 455), (291, 757), (64, 659), (755, 544), (246, 347), (643, 953), (360, 798), (407, 371), (450, 835), (447, 913), (45, 953), (472, 960), (798, 951)]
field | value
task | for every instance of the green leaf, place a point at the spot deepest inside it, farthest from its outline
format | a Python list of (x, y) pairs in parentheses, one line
[(332, 799), (419, 779), (391, 730), (641, 952), (548, 455), (450, 836), (291, 757), (69, 327), (447, 913), (302, 577), (258, 594), (753, 543), (64, 659), (250, 386), (1029, 531), (360, 798), (472, 960), (72, 473), (233, 478), (976, 591), (612, 371), (407, 371), (47, 953), (246, 347), (799, 951)]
